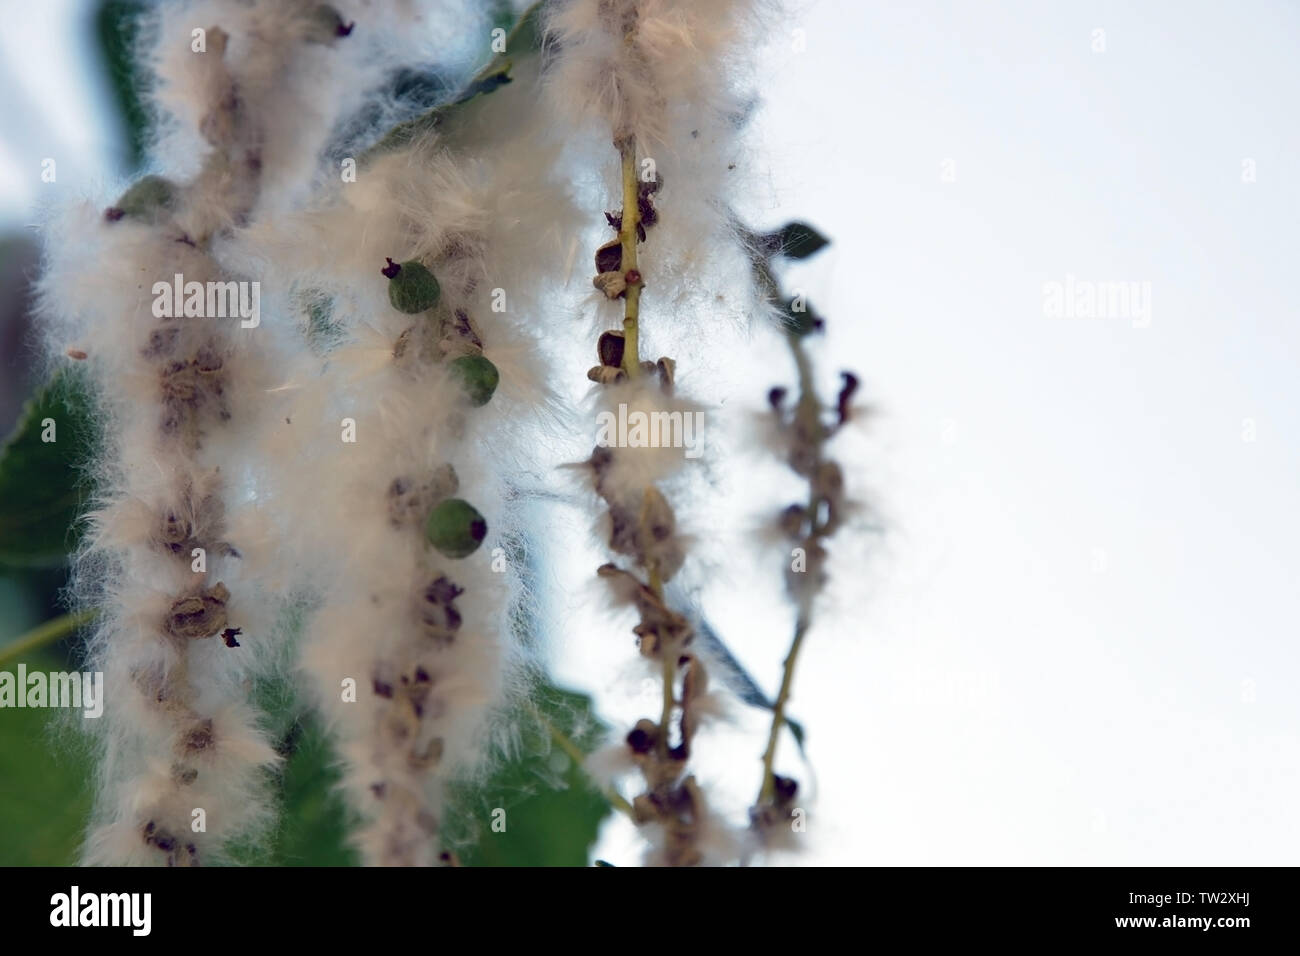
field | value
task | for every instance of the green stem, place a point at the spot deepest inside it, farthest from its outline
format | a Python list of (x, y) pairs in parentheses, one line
[(668, 656), (46, 633), (628, 238), (778, 710), (809, 411), (578, 757)]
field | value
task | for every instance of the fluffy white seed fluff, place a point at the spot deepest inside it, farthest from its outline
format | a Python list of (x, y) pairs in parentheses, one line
[(307, 531)]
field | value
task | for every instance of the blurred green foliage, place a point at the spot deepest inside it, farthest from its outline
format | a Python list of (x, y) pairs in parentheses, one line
[(44, 782), (117, 29), (41, 490), (552, 813)]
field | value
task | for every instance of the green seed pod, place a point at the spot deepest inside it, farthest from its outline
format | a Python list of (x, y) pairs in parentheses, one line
[(411, 287), (455, 528), (478, 376), (150, 199)]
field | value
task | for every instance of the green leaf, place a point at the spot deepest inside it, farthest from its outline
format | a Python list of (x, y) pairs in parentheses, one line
[(732, 673), (45, 799), (523, 38), (800, 318), (41, 489), (552, 810), (118, 26), (314, 820), (798, 240)]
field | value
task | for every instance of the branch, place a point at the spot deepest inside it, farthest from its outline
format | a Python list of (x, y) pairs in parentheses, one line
[(47, 633)]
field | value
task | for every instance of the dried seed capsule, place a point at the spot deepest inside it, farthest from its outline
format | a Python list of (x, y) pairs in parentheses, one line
[(611, 283), (609, 348), (438, 611), (793, 521), (843, 403), (478, 376), (455, 528), (667, 373), (198, 615), (149, 200), (198, 737), (411, 288), (609, 257), (785, 787), (642, 737), (606, 374)]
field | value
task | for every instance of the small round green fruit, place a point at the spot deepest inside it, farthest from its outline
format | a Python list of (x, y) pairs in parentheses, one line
[(478, 376), (149, 199), (411, 287), (455, 528)]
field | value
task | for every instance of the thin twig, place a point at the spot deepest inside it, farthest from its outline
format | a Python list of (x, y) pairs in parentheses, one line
[(778, 710), (47, 633), (579, 758), (809, 409)]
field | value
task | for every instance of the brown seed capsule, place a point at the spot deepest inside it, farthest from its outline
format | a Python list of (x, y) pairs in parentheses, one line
[(199, 737), (180, 382), (667, 373), (198, 615), (642, 737), (785, 787), (611, 283), (609, 348), (606, 374), (174, 530), (793, 521), (609, 257), (829, 480), (437, 607), (842, 404)]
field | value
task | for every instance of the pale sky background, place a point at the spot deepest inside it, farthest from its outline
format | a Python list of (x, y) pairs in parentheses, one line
[(1075, 642)]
